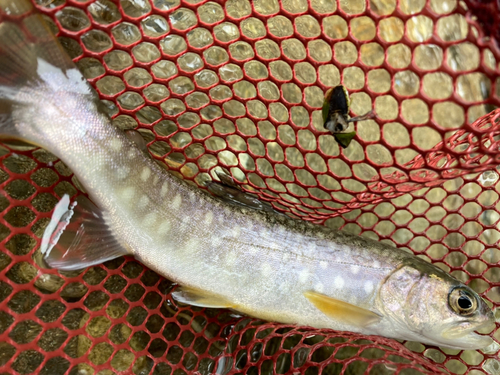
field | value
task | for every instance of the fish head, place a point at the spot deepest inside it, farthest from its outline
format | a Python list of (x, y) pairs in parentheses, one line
[(428, 305)]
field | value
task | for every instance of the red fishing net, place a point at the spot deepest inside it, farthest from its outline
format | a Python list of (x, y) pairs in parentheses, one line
[(237, 86)]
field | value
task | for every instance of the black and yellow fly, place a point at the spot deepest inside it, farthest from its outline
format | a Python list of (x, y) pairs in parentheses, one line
[(336, 115)]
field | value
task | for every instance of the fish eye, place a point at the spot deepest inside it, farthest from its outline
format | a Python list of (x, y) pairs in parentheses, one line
[(462, 301)]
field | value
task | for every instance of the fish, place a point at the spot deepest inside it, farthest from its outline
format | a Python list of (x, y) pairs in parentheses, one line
[(222, 255)]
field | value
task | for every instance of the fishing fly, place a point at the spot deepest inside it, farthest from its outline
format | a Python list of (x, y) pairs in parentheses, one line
[(336, 115)]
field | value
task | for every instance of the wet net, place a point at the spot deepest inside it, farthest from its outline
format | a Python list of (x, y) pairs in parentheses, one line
[(237, 87)]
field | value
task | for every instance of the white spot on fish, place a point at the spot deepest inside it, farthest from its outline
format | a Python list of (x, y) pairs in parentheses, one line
[(193, 198), (176, 202), (143, 202), (149, 220), (216, 241), (122, 172), (312, 247), (164, 227), (164, 189), (368, 287), (355, 269), (338, 282), (286, 256), (319, 288), (209, 217), (252, 249), (115, 144), (231, 258), (131, 154), (323, 264), (146, 172), (303, 276), (128, 193), (236, 231), (266, 270), (376, 264), (193, 244)]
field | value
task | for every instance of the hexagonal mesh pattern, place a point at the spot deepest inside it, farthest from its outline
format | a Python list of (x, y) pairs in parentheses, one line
[(238, 85)]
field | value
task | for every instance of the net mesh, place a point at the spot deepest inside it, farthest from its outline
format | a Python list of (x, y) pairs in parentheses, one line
[(237, 86)]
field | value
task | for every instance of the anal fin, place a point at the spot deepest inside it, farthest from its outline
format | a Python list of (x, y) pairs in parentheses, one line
[(78, 236), (342, 311), (196, 297)]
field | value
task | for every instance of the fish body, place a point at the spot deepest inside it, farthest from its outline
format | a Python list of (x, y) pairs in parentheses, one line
[(259, 263)]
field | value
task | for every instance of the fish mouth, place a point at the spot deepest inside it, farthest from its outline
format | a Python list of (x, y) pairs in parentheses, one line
[(471, 340), (464, 335)]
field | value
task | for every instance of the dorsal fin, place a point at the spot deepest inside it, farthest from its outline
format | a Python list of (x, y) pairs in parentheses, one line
[(228, 191), (140, 142)]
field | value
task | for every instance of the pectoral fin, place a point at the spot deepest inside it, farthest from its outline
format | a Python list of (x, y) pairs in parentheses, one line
[(342, 311), (196, 297)]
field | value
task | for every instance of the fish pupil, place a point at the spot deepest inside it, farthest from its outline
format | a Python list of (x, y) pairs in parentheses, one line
[(464, 302)]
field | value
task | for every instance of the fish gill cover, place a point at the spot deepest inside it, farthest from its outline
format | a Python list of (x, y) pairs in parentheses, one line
[(238, 86)]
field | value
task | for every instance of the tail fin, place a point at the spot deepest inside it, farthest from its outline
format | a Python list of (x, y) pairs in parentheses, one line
[(17, 64), (23, 43), (29, 54), (17, 57)]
